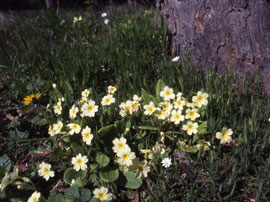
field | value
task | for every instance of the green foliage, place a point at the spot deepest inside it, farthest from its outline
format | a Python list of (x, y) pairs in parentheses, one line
[(70, 174)]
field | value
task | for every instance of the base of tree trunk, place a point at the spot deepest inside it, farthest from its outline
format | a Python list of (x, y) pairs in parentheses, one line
[(222, 33)]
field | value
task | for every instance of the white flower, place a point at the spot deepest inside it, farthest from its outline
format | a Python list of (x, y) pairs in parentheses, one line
[(102, 194), (57, 127), (167, 93), (143, 169), (149, 109), (87, 136), (89, 109), (224, 135), (119, 144), (85, 93), (166, 162), (179, 104), (200, 99), (161, 114), (74, 128), (58, 108), (51, 131), (79, 162), (103, 15), (106, 21), (175, 59), (190, 128), (176, 116), (77, 19), (192, 114), (45, 171), (179, 95), (111, 89), (54, 85), (34, 197), (108, 100), (136, 98), (126, 107), (125, 157), (166, 106), (73, 111)]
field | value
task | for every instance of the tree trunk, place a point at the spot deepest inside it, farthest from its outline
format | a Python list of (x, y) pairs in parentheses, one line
[(222, 32)]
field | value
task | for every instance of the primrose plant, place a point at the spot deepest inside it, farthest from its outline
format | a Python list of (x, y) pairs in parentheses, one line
[(100, 145)]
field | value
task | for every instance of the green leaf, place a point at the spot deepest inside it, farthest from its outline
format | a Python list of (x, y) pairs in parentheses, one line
[(147, 98), (147, 128), (77, 148), (5, 162), (71, 174), (54, 196), (102, 159), (17, 134), (38, 121), (79, 182), (107, 130), (72, 192), (59, 153), (85, 195), (94, 199), (160, 86), (128, 124), (129, 180), (195, 138), (202, 128), (189, 149), (109, 174)]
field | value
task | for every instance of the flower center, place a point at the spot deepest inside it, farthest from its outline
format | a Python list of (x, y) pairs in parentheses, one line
[(192, 114), (120, 146), (90, 108), (190, 127), (150, 109), (75, 126), (224, 135), (200, 98), (177, 116), (101, 196), (108, 100), (46, 171), (168, 93), (87, 135), (79, 162), (126, 156)]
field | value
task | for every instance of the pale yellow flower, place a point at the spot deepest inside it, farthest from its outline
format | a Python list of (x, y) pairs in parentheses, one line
[(89, 109), (200, 99), (87, 136), (224, 135), (85, 93), (79, 162), (102, 194), (58, 108), (119, 144), (179, 104), (34, 197), (73, 111), (125, 157), (111, 89), (45, 171), (176, 116), (167, 93), (192, 114), (149, 109), (190, 127), (57, 127), (108, 100), (74, 128)]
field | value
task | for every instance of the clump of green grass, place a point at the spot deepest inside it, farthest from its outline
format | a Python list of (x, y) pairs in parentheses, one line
[(132, 53)]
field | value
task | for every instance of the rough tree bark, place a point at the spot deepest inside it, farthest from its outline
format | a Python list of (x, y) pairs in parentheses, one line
[(226, 33)]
